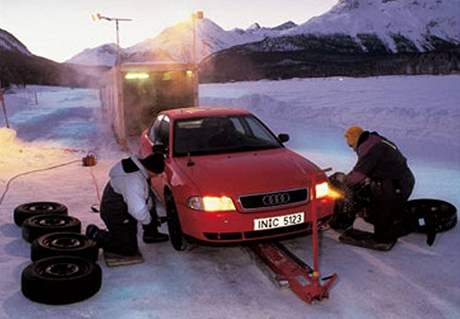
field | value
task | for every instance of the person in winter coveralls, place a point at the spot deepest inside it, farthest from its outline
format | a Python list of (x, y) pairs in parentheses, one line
[(385, 169), (127, 200)]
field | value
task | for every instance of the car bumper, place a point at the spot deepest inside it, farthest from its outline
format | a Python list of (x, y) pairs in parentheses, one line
[(228, 227)]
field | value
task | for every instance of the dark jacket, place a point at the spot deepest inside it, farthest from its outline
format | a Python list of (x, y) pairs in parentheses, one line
[(379, 159)]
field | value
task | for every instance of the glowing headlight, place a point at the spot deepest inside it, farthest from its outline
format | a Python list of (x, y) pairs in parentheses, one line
[(211, 204), (322, 190)]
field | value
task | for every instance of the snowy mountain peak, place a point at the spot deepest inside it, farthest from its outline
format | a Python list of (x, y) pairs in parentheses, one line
[(414, 22), (9, 42), (102, 55), (390, 25), (285, 26), (254, 26)]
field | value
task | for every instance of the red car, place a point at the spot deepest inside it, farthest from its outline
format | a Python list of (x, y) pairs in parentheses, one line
[(228, 178)]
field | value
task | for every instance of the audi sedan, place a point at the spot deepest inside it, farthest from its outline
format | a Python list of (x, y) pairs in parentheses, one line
[(228, 178)]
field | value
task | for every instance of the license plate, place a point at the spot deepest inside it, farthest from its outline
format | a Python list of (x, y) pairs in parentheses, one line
[(279, 221)]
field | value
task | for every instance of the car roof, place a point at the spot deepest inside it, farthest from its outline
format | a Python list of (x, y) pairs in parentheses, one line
[(203, 111)]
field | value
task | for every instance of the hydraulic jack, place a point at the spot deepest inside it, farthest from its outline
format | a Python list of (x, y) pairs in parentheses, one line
[(303, 280)]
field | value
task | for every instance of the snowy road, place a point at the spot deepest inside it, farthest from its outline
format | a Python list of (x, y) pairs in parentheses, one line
[(411, 281)]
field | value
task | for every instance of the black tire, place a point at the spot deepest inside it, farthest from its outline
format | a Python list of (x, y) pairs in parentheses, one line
[(176, 236), (435, 214), (61, 280), (24, 211), (64, 244), (40, 225), (345, 209)]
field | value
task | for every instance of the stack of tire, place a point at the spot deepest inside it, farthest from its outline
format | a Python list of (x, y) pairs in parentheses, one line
[(63, 268)]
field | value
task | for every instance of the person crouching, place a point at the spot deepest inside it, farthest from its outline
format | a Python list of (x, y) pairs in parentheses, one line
[(385, 169), (127, 200)]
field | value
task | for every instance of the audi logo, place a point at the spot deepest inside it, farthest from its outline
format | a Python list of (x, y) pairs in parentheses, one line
[(276, 199)]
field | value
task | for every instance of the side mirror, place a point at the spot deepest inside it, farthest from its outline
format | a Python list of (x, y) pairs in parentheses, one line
[(283, 138), (159, 148)]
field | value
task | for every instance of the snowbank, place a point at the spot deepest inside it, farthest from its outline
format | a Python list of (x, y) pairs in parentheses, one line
[(66, 118), (418, 109)]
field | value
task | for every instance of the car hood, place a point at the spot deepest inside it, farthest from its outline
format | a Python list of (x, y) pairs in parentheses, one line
[(247, 172)]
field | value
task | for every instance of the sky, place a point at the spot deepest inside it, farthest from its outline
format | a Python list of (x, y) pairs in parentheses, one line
[(59, 29)]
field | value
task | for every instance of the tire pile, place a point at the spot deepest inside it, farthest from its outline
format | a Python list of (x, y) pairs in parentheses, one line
[(63, 268)]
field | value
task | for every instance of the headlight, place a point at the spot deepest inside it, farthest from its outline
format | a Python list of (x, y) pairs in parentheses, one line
[(211, 204), (322, 190)]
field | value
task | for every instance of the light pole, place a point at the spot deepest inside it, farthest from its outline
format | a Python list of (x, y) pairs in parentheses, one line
[(198, 15), (117, 69), (98, 17)]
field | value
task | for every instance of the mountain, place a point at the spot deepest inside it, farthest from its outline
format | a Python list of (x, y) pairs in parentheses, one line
[(400, 25), (175, 43), (354, 38), (285, 26), (177, 40), (19, 66), (8, 42), (104, 55), (373, 26)]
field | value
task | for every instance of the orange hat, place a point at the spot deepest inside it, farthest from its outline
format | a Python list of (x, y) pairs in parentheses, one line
[(352, 135)]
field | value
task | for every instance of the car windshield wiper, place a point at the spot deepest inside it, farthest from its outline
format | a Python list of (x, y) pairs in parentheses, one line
[(257, 147), (242, 148)]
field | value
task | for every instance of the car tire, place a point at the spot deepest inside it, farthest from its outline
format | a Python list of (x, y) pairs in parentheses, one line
[(27, 210), (40, 225), (176, 236), (431, 213), (67, 244), (61, 280)]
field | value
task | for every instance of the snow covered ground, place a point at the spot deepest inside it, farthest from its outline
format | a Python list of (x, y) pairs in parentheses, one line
[(421, 114)]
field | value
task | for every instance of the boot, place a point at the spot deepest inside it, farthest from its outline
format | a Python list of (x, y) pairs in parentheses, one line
[(95, 233), (365, 239), (152, 235)]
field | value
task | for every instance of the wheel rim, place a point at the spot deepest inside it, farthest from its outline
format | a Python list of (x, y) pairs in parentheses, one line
[(64, 242), (40, 207), (62, 269), (51, 221)]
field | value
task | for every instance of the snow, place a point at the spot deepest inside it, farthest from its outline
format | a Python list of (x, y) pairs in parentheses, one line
[(10, 43), (175, 42), (413, 19), (407, 109), (411, 281), (105, 55)]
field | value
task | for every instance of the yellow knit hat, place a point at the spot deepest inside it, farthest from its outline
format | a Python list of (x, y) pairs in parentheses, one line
[(352, 135)]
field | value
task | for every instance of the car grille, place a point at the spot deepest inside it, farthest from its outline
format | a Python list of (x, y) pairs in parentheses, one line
[(275, 199)]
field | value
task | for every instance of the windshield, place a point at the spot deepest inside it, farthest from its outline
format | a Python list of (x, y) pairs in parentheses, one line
[(222, 134)]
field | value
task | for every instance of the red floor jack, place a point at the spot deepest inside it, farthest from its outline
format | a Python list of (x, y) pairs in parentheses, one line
[(303, 280)]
